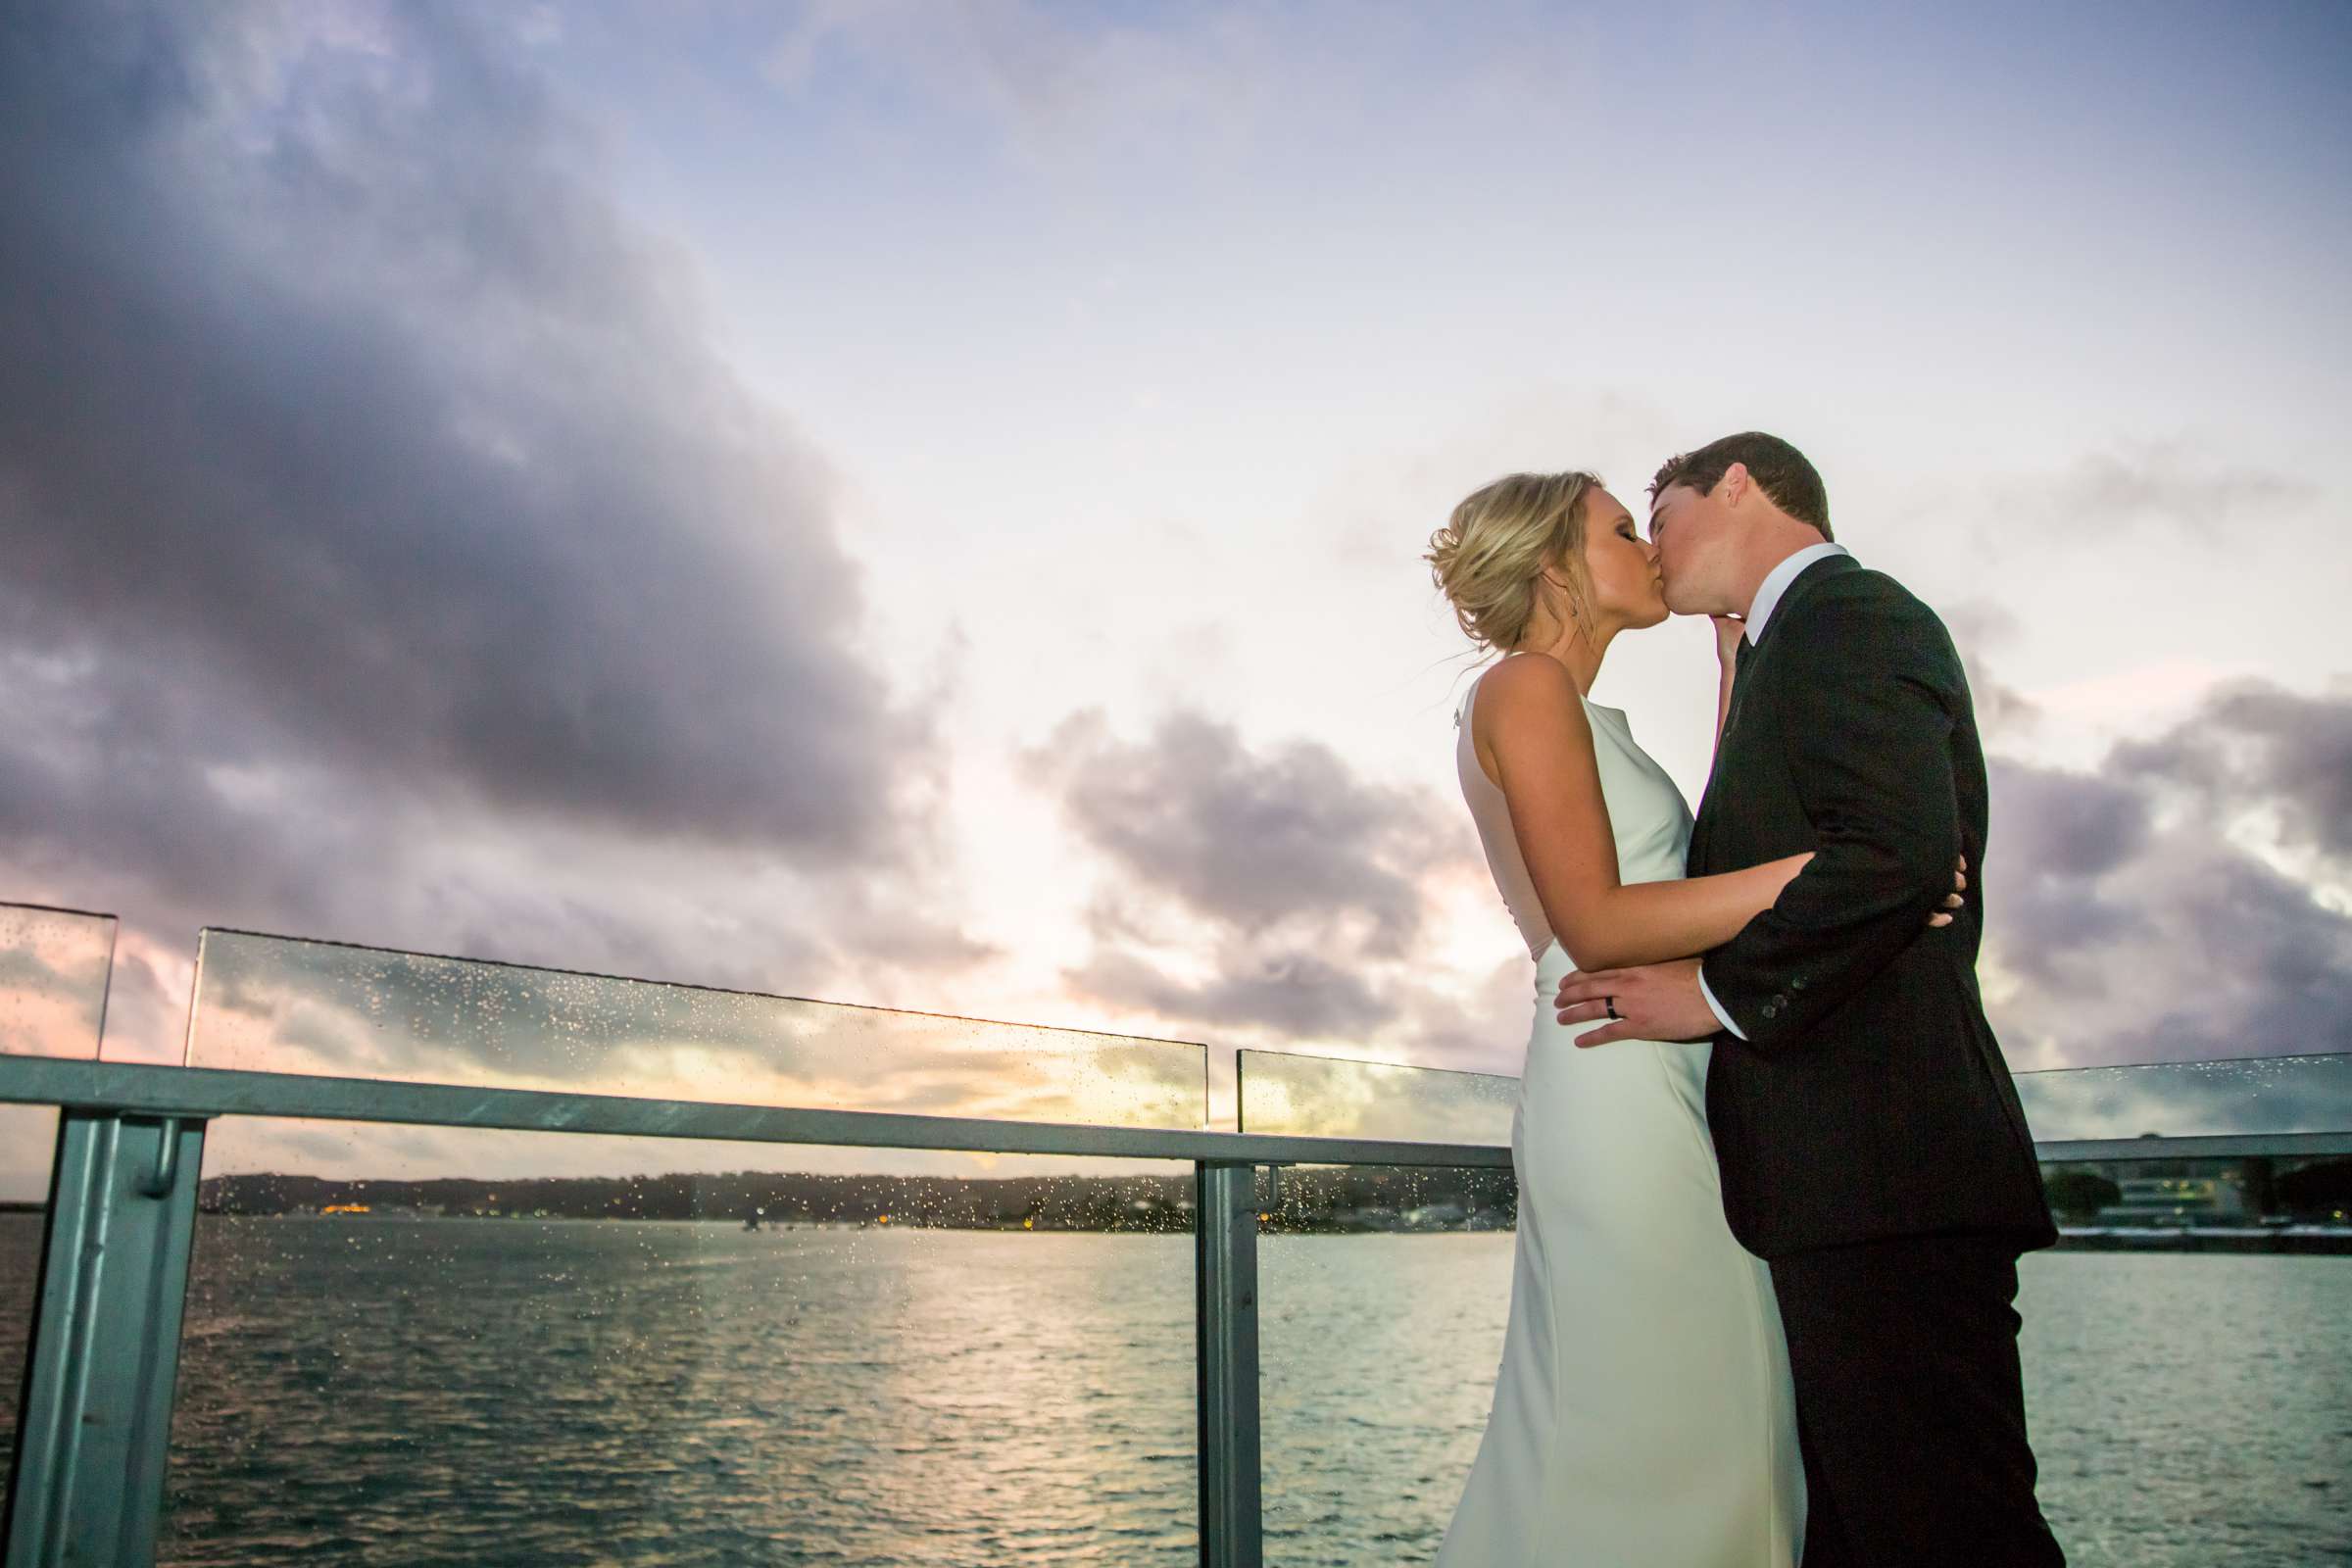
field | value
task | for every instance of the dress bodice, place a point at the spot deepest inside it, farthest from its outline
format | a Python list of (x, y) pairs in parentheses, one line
[(1647, 816)]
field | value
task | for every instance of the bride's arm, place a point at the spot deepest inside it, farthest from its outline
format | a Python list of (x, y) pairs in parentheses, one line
[(1530, 723)]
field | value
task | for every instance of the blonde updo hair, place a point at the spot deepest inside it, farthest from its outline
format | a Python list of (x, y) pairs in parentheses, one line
[(1489, 558)]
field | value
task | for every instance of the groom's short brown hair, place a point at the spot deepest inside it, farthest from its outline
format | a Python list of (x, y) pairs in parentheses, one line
[(1779, 470)]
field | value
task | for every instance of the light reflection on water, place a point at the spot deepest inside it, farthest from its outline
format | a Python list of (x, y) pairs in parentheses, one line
[(489, 1393), (492, 1392)]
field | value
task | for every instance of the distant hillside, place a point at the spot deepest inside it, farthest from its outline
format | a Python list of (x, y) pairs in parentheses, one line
[(1318, 1200)]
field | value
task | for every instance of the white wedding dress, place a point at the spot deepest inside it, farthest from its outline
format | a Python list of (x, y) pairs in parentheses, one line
[(1642, 1415)]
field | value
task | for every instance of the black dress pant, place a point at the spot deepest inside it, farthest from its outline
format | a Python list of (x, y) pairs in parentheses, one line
[(1909, 1407)]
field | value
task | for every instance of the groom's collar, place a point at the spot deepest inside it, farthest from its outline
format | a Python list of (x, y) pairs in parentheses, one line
[(1775, 584)]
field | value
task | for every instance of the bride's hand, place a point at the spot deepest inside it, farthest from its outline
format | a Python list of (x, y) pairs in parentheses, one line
[(1729, 630), (1953, 899)]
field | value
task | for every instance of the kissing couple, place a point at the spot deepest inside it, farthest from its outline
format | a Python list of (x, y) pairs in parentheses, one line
[(1774, 1180)]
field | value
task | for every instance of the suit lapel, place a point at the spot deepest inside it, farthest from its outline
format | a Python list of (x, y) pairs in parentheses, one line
[(1744, 664)]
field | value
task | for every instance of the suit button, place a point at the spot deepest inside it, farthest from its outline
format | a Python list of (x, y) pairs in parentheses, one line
[(1780, 1002), (1798, 982), (1771, 1010)]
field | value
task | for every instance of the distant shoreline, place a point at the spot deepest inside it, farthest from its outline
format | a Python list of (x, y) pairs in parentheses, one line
[(2281, 1239), (2301, 1239)]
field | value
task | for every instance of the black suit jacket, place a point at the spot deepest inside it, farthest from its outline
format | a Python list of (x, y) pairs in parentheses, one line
[(1870, 1099)]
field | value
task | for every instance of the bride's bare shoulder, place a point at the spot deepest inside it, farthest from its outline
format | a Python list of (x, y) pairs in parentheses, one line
[(1527, 679), (1528, 706)]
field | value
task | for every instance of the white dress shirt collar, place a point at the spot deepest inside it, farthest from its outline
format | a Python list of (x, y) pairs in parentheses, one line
[(1776, 583)]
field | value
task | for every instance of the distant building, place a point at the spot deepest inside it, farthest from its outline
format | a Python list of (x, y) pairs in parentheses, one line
[(2177, 1201)]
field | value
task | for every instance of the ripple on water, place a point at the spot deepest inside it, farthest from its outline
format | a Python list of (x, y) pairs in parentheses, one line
[(506, 1393)]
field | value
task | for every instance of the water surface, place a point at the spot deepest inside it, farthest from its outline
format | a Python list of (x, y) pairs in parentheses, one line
[(361, 1391)]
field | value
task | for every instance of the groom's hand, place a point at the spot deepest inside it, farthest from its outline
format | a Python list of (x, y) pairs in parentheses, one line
[(1656, 1002)]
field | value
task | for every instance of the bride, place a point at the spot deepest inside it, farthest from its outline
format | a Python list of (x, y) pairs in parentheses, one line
[(1642, 1415)]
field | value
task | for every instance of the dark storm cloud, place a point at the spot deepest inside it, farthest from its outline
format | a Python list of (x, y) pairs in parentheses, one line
[(350, 437), (1296, 994), (1307, 880), (2069, 827), (2137, 923), (387, 554), (1246, 839), (2270, 971), (2128, 918), (119, 766), (2258, 743)]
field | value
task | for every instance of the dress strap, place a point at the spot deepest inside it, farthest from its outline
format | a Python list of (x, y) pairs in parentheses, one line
[(1461, 709)]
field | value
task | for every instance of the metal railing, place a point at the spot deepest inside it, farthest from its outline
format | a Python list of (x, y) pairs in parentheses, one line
[(95, 1420)]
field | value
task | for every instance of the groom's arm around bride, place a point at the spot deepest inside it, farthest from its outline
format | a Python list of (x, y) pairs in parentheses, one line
[(1869, 1141)]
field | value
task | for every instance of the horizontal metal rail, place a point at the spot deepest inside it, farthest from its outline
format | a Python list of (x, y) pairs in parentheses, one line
[(207, 1092), (2213, 1146), (144, 1089)]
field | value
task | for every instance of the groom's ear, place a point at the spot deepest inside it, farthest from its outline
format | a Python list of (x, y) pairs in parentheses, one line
[(1733, 485)]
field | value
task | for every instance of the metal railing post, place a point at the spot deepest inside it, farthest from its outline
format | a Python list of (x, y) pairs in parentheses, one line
[(96, 1424), (1225, 1316)]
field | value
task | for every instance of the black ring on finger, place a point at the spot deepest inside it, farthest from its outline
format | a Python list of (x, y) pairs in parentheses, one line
[(1610, 1002)]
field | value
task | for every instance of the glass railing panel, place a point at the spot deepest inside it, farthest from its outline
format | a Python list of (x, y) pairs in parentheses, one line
[(54, 968), (1383, 1295), (1382, 1300), (1330, 1096), (2190, 1099), (281, 1004), (54, 965), (1284, 1092), (505, 1347)]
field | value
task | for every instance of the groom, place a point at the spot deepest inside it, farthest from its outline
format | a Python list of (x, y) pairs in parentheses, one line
[(1871, 1144)]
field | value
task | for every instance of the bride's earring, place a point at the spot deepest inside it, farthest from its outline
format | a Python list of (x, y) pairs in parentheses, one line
[(1574, 603), (1576, 615)]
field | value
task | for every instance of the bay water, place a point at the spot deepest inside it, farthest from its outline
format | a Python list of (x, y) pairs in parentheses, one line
[(361, 1391)]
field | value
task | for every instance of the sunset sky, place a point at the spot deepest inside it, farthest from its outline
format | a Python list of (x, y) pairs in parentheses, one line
[(921, 505)]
